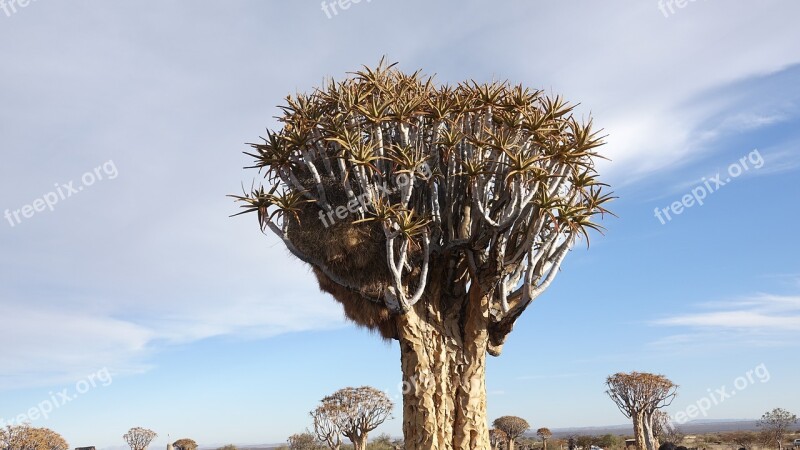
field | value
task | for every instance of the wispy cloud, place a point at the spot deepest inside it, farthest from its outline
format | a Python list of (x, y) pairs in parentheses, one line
[(781, 160), (760, 320), (742, 122)]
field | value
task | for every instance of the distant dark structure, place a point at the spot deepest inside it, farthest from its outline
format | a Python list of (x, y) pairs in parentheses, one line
[(85, 448)]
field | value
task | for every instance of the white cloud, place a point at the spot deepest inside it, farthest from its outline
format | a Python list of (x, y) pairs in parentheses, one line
[(761, 320), (57, 345), (62, 345)]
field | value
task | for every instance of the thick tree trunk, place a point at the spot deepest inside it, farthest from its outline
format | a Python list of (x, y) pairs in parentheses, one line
[(638, 431), (443, 357), (359, 443), (650, 438)]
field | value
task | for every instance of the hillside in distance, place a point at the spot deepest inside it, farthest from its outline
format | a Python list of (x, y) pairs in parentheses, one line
[(692, 427)]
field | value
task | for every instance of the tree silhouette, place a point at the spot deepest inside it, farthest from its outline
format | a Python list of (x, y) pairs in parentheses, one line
[(435, 215)]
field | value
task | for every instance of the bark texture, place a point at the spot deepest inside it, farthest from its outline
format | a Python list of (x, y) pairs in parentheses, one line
[(443, 358)]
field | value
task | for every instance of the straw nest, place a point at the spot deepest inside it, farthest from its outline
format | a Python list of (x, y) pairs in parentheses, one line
[(353, 252)]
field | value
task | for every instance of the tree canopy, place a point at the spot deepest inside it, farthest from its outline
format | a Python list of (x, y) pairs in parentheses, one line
[(185, 444), (512, 426), (139, 438), (26, 437), (775, 424), (353, 412), (375, 179)]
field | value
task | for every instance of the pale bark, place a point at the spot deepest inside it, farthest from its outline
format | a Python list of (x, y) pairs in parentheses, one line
[(638, 431), (359, 443), (443, 357), (650, 438)]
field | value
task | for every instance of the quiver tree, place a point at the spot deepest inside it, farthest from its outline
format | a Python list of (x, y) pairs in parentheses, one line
[(544, 434), (139, 438), (497, 437), (513, 427), (26, 437), (355, 412), (185, 444), (664, 430), (639, 396), (327, 418), (435, 215)]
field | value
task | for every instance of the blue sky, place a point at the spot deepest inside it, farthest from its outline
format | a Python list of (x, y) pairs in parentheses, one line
[(209, 330)]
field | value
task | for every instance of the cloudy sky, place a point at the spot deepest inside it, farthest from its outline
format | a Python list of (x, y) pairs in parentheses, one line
[(126, 286)]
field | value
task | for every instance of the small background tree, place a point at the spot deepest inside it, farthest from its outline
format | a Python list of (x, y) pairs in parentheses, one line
[(382, 442), (512, 426), (584, 441), (304, 441), (139, 438), (26, 437), (544, 434), (741, 439), (185, 444), (608, 441), (357, 411), (664, 430), (497, 437), (775, 425), (639, 396), (228, 447), (326, 418)]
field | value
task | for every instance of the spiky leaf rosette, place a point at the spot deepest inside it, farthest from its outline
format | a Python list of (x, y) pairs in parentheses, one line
[(385, 176)]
